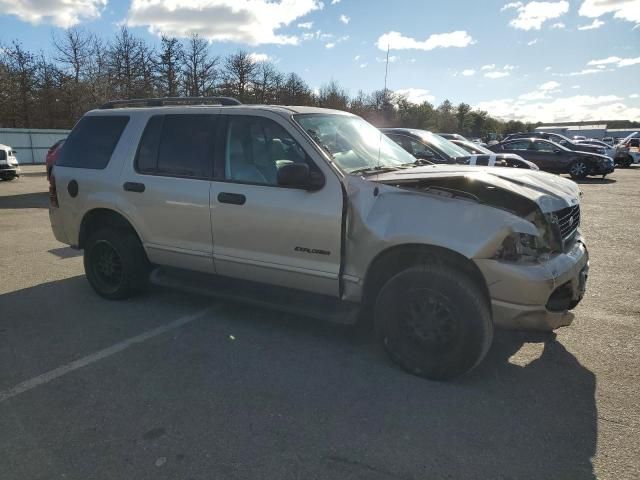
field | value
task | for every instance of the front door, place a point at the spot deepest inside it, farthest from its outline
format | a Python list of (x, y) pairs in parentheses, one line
[(263, 232)]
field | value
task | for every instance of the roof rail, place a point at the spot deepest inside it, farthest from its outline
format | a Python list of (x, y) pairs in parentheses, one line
[(159, 102)]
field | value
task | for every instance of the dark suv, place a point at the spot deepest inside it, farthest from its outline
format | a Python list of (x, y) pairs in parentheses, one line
[(560, 140), (556, 158)]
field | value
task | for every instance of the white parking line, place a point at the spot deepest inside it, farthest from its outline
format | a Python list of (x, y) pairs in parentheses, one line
[(99, 355)]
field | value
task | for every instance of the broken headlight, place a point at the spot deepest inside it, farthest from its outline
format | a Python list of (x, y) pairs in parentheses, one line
[(525, 246)]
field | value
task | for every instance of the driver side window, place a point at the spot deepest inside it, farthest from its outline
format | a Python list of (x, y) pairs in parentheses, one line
[(256, 148)]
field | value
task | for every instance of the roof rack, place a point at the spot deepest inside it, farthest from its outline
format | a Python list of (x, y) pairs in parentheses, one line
[(159, 102)]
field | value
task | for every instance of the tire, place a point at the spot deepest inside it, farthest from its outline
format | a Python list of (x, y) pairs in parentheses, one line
[(628, 160), (434, 321), (578, 169), (115, 264)]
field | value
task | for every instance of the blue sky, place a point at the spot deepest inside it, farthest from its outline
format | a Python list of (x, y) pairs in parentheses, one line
[(548, 60)]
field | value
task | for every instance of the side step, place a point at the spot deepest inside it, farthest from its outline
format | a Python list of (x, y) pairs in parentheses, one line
[(258, 294)]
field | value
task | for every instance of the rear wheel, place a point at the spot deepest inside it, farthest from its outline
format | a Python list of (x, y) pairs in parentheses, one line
[(578, 169), (434, 321), (115, 263)]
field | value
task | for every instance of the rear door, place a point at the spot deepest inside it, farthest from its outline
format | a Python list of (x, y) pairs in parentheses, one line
[(267, 233), (165, 191)]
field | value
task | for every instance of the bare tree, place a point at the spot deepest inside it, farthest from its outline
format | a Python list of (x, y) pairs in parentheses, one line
[(200, 72), (125, 63), (21, 69), (169, 67), (265, 83), (239, 74), (74, 51)]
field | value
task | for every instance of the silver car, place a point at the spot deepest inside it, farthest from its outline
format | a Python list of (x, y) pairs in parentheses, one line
[(315, 208)]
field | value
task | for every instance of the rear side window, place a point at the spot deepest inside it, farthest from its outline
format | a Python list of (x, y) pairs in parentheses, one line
[(92, 142), (177, 146), (3, 155)]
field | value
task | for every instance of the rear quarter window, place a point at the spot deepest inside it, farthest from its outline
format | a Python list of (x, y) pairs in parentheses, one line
[(92, 142), (3, 155)]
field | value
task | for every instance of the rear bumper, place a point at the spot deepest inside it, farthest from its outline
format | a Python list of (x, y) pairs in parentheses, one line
[(537, 296), (55, 217)]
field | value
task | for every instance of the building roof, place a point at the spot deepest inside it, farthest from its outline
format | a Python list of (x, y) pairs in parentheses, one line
[(602, 126)]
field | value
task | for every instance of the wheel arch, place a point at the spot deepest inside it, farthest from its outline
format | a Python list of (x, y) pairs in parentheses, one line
[(399, 257), (103, 217)]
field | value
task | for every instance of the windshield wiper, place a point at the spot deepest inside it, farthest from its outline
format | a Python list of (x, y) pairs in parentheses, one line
[(372, 170), (418, 162)]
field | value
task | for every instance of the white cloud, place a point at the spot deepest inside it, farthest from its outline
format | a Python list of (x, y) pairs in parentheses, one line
[(356, 58), (508, 67), (416, 95), (628, 10), (543, 91), (488, 67), (575, 86), (634, 95), (333, 2), (397, 41), (61, 13), (567, 109), (532, 42), (363, 65), (306, 25), (584, 71), (549, 86), (617, 61), (558, 25), (532, 15), (344, 19), (511, 5), (494, 75), (253, 22), (330, 45), (548, 68), (260, 57), (469, 72), (592, 26), (392, 59)]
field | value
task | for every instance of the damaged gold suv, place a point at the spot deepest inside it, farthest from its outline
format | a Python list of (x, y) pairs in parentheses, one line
[(316, 211)]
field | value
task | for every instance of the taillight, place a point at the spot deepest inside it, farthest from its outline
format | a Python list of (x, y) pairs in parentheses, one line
[(53, 193)]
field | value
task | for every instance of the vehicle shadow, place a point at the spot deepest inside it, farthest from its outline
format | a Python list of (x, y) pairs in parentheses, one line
[(596, 180), (25, 200), (291, 394)]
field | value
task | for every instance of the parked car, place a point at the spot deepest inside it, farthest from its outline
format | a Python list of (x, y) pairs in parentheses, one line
[(9, 166), (504, 159), (552, 157), (609, 151), (52, 156), (609, 141), (432, 147), (577, 138), (451, 136), (628, 151), (559, 139), (316, 210)]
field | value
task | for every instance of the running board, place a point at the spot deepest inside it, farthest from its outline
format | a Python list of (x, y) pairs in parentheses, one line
[(258, 294)]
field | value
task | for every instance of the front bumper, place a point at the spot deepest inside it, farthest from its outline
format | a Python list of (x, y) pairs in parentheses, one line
[(9, 170), (537, 296)]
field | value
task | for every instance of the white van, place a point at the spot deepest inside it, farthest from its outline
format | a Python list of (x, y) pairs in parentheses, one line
[(9, 167)]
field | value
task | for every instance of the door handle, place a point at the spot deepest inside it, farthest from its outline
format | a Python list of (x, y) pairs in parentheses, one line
[(133, 187), (232, 198)]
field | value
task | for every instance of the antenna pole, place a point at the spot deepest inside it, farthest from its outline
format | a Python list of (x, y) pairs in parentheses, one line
[(386, 71)]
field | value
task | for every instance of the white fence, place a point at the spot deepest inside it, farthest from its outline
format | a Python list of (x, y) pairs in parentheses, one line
[(31, 144)]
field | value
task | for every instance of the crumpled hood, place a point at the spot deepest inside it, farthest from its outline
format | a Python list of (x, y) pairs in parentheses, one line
[(550, 192)]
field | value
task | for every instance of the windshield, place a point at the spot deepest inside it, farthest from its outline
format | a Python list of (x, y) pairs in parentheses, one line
[(474, 147), (448, 148), (353, 143)]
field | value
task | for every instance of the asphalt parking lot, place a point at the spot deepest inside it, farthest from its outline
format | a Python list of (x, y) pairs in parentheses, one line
[(174, 385)]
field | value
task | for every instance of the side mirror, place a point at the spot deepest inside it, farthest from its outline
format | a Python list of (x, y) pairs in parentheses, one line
[(298, 175)]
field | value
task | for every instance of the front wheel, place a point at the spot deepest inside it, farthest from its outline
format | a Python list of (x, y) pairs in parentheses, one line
[(434, 321), (115, 264), (578, 169)]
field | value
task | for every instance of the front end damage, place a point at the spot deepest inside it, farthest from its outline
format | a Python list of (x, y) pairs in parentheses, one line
[(521, 232)]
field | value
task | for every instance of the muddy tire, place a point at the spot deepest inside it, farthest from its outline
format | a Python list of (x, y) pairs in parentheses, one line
[(115, 264), (434, 321), (578, 169)]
